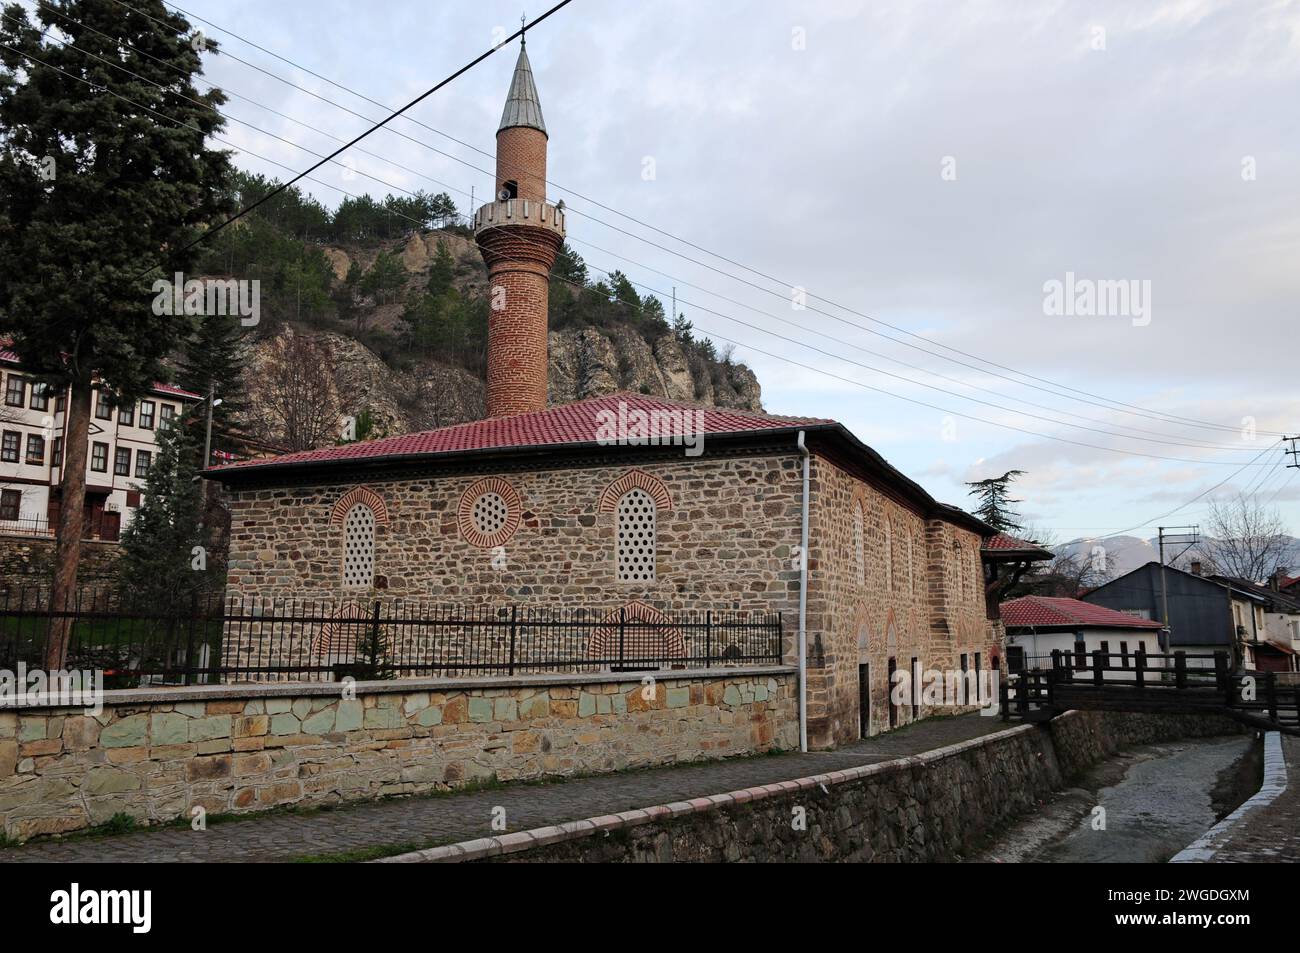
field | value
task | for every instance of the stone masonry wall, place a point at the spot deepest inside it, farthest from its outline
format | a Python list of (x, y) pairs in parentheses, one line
[(936, 807), (156, 755), (916, 593), (29, 561)]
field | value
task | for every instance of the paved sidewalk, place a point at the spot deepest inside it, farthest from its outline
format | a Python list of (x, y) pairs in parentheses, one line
[(411, 823), (1269, 833)]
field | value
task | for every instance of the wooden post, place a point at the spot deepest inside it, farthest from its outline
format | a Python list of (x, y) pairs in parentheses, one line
[(1098, 667), (1140, 666), (1270, 692), (1221, 679), (1180, 669), (1022, 693)]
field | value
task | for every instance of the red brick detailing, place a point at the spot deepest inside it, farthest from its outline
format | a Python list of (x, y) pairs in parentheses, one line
[(465, 513), (360, 494), (338, 638), (521, 157), (636, 480), (517, 345), (638, 643)]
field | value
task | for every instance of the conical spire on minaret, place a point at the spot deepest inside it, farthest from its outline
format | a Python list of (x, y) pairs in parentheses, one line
[(523, 108)]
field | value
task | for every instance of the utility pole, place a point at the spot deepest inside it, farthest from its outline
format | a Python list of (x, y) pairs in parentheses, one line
[(1293, 453), (1178, 536)]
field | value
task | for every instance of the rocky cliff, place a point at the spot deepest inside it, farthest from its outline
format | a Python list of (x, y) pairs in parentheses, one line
[(423, 395)]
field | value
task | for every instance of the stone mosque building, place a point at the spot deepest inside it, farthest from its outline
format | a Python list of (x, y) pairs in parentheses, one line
[(536, 506)]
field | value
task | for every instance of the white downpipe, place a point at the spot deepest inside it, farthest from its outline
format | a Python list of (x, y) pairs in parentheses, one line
[(803, 602)]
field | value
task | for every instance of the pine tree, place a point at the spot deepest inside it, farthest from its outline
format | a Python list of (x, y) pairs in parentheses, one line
[(442, 272), (214, 362), (160, 566), (995, 503), (95, 189)]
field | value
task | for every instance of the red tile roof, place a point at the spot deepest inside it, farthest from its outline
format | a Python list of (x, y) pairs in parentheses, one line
[(1004, 542), (1054, 611), (566, 425), (11, 357)]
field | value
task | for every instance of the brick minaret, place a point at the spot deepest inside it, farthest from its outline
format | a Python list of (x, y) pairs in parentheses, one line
[(519, 235)]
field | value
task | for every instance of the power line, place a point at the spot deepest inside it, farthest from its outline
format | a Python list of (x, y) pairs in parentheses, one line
[(1120, 405), (390, 185), (741, 344), (379, 125)]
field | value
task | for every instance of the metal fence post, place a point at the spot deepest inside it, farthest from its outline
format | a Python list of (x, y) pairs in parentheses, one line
[(1270, 690), (708, 639), (189, 641), (513, 633), (622, 626), (374, 635)]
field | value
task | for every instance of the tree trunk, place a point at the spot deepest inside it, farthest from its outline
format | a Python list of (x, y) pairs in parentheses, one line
[(67, 556)]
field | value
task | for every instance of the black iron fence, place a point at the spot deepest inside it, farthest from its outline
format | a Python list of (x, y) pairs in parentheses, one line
[(245, 640)]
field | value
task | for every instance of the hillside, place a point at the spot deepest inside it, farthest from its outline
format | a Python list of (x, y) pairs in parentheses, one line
[(364, 315)]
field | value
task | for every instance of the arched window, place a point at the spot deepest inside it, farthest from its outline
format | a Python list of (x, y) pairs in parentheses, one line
[(510, 189), (636, 537), (911, 563), (859, 545), (359, 548), (889, 554)]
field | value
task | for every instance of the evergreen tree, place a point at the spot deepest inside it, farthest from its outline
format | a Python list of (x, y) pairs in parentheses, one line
[(442, 272), (995, 503), (95, 189), (384, 278), (569, 267), (214, 362), (160, 565)]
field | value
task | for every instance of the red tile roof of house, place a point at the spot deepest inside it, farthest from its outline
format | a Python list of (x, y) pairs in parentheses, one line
[(1046, 611), (566, 425), (11, 357), (1005, 543)]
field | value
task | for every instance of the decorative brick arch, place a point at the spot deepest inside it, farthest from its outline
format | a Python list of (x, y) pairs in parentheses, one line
[(662, 642), (635, 480), (470, 520), (331, 641), (364, 495)]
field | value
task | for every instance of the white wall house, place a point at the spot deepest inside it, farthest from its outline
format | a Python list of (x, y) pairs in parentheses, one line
[(122, 445), (1037, 625)]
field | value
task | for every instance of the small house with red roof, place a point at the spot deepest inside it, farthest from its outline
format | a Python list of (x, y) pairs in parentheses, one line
[(1038, 625)]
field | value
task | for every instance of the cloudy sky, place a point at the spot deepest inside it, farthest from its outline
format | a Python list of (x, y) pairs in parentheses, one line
[(924, 171)]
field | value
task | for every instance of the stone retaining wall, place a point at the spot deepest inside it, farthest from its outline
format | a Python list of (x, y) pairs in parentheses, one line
[(156, 755), (938, 806), (28, 561)]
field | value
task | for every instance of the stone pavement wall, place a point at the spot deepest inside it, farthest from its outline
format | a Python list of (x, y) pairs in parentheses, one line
[(157, 754), (937, 806)]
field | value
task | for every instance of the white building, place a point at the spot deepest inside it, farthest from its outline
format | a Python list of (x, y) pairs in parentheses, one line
[(122, 445), (1038, 625)]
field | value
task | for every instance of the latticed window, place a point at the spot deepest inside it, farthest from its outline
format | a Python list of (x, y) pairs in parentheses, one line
[(636, 537), (490, 513), (359, 548)]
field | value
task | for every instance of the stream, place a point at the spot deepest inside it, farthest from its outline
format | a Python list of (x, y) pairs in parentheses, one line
[(1157, 800)]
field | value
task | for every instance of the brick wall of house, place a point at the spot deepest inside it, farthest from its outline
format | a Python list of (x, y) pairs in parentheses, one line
[(928, 606)]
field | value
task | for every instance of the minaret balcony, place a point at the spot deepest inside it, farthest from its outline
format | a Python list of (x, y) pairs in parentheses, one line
[(520, 212)]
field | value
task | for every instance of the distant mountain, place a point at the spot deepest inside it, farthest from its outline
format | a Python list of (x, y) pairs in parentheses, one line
[(1126, 553)]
